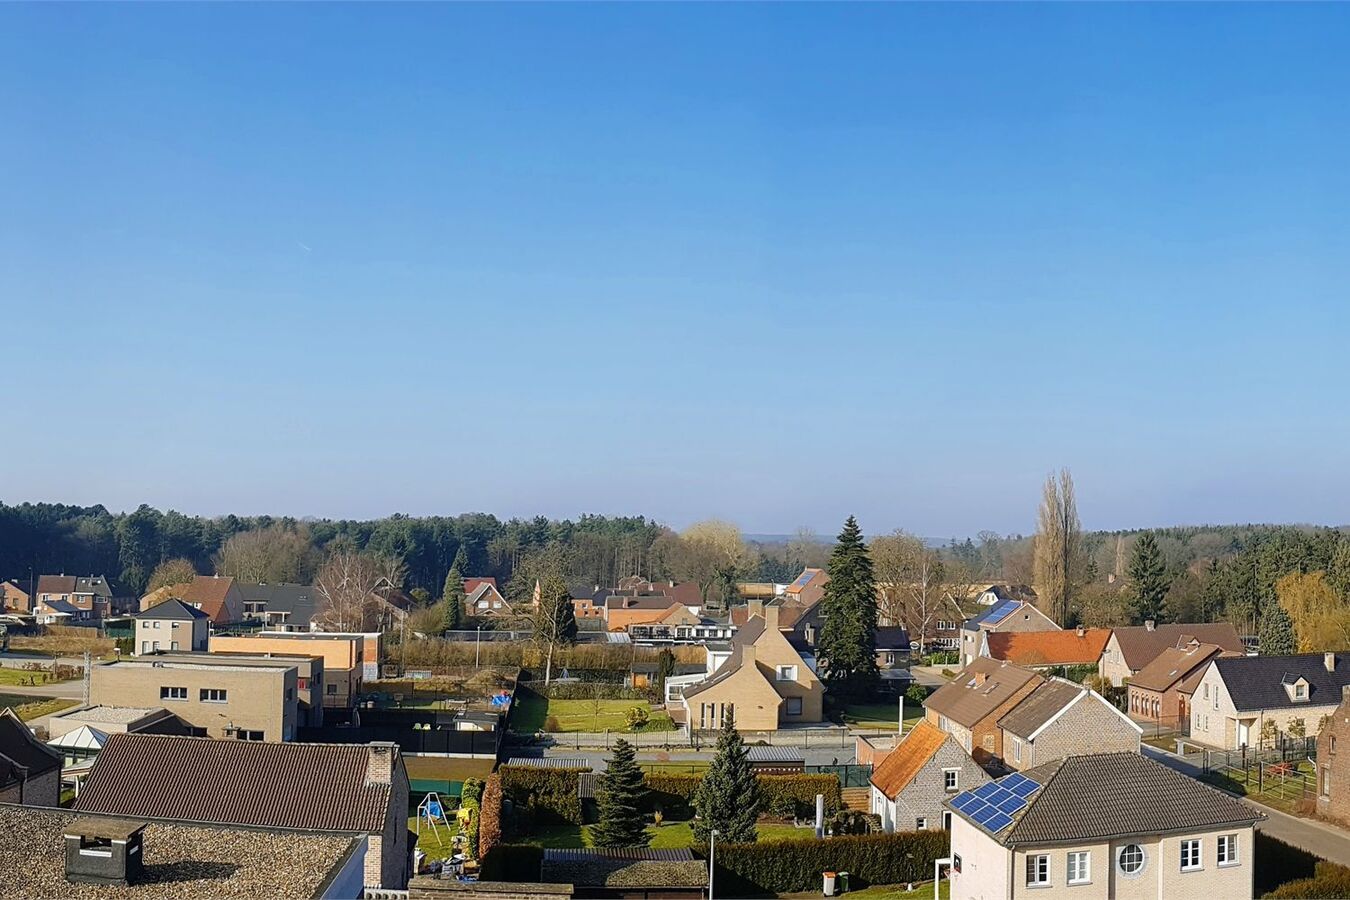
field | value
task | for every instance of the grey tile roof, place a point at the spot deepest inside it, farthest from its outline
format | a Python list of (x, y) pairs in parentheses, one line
[(748, 634), (301, 601), (1257, 682), (1116, 795), (548, 762), (1039, 706), (171, 609), (775, 754), (625, 868)]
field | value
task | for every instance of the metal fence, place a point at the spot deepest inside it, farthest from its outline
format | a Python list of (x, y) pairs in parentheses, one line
[(482, 744)]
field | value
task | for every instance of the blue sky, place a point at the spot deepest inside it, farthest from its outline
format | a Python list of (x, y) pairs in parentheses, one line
[(777, 264)]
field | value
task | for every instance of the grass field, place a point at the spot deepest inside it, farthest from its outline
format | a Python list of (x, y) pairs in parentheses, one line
[(531, 714), (878, 892), (667, 836), (29, 708), (1285, 794), (437, 844), (19, 678), (881, 715)]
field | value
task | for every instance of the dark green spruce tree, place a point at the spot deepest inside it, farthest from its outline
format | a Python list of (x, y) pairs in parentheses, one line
[(1277, 630), (1148, 580), (727, 800), (452, 595), (848, 638), (619, 797)]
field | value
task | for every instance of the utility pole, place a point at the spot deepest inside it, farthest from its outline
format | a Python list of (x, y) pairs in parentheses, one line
[(712, 851)]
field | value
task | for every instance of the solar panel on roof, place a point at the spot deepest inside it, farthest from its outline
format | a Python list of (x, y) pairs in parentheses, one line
[(961, 801), (987, 790), (1012, 781), (998, 822), (1003, 610), (1026, 788), (1011, 803)]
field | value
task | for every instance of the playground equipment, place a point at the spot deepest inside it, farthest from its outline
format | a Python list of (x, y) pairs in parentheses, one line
[(432, 811)]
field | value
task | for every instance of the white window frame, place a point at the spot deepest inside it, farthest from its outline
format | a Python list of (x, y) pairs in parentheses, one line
[(921, 823), (214, 695), (786, 673), (1078, 867), (1038, 864), (1227, 852), (1192, 847), (1017, 749), (954, 777), (1143, 860)]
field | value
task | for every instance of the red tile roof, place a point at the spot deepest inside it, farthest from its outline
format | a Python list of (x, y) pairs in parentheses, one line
[(900, 766), (471, 584), (1049, 648), (278, 785)]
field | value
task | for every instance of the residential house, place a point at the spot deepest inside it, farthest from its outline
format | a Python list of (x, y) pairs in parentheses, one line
[(806, 589), (764, 684), (1161, 691), (30, 771), (309, 676), (80, 734), (680, 625), (970, 705), (1238, 695), (1046, 649), (1008, 616), (912, 782), (351, 788), (171, 625), (486, 602), (620, 874), (216, 595), (1061, 719), (90, 594), (471, 584), (1131, 649), (1333, 769), (282, 606), (348, 659), (16, 596), (61, 612), (892, 644), (254, 703), (621, 612), (1102, 825)]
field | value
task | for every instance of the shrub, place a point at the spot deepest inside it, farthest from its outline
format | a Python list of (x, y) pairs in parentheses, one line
[(472, 790), (552, 725), (783, 866), (1280, 865), (801, 790), (673, 793), (852, 821), (916, 694), (490, 816), (1329, 881), (548, 796), (512, 862), (637, 717)]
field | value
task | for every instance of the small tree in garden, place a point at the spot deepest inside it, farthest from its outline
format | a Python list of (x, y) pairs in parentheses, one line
[(1297, 729), (1269, 732), (665, 667), (619, 797), (728, 797), (637, 717)]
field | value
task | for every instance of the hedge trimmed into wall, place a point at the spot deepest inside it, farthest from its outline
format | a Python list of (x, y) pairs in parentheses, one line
[(776, 867), (490, 816), (545, 796), (513, 862), (675, 793)]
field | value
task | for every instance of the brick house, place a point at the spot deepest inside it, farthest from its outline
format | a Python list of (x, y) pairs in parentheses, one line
[(171, 625), (1061, 719), (30, 771), (1131, 649), (1102, 825), (1333, 762), (970, 705), (1161, 691), (806, 589), (1046, 649), (217, 596), (353, 788), (90, 594), (926, 768), (1236, 697), (16, 595), (1008, 616)]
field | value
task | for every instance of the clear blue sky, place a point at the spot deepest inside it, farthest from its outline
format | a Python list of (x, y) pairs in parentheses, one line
[(771, 263)]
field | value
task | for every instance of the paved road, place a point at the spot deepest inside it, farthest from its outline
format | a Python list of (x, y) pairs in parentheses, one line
[(1327, 841)]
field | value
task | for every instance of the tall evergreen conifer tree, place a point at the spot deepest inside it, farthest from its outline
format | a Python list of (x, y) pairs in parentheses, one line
[(728, 798), (453, 597), (619, 797), (848, 639), (1277, 631), (1148, 580)]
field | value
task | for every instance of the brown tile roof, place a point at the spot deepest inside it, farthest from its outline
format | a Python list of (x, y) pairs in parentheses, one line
[(1040, 706), (900, 766), (1049, 648), (1174, 665), (979, 689), (279, 785), (207, 592), (1139, 646), (801, 581), (56, 584), (471, 584), (657, 601), (1115, 795), (747, 634)]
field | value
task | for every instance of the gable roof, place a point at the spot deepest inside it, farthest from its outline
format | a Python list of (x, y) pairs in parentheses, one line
[(1048, 648), (746, 634), (646, 601), (1257, 682), (471, 584), (967, 702), (1139, 645), (1039, 709), (56, 584), (892, 637), (1105, 796), (900, 766), (807, 576), (299, 601), (1174, 665), (484, 587), (277, 785), (57, 605), (1003, 611), (173, 608), (22, 755), (93, 584), (207, 592)]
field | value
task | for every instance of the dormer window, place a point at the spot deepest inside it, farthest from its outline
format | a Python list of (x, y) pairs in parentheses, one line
[(1297, 688)]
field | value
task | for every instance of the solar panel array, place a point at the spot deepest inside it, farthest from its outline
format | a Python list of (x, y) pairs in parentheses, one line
[(803, 578), (992, 805), (1003, 610)]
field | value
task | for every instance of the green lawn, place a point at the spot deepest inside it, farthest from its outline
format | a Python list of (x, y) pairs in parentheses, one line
[(531, 714), (1284, 794), (436, 845), (28, 707), (669, 835), (20, 677), (879, 892), (881, 715)]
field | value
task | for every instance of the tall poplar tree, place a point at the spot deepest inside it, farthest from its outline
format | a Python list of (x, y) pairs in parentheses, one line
[(1058, 550), (848, 637), (619, 798), (727, 800), (452, 595), (1147, 575)]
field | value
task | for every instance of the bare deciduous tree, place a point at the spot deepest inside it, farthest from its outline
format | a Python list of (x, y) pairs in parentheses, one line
[(346, 585), (712, 553), (171, 571), (1058, 548), (271, 555)]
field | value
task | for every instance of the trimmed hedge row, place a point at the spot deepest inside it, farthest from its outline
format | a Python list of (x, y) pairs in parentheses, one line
[(490, 816), (1329, 881), (512, 862), (545, 796), (783, 866), (782, 794)]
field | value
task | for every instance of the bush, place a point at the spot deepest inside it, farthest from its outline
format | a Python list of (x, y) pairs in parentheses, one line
[(1330, 881), (637, 717), (783, 866), (801, 791), (1281, 866), (552, 725), (512, 862), (916, 694), (547, 796), (852, 821), (589, 690), (490, 816)]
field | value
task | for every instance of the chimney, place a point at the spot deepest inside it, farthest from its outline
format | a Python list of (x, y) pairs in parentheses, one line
[(747, 654), (103, 851), (1329, 660), (756, 606), (380, 769), (980, 679), (1149, 624), (771, 618), (1081, 631), (1345, 692)]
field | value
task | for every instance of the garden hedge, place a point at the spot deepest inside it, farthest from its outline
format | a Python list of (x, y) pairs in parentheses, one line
[(544, 796), (784, 866), (490, 816), (1283, 870), (512, 862), (674, 793)]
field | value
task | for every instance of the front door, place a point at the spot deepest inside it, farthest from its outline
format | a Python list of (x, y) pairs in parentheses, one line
[(1242, 733)]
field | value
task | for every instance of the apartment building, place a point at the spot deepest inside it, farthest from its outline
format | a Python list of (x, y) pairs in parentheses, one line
[(344, 656), (309, 676), (248, 702)]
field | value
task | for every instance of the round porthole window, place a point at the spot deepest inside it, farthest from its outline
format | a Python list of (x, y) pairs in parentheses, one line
[(1131, 859)]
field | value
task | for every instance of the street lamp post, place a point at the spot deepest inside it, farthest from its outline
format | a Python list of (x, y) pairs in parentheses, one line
[(712, 858), (477, 643)]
